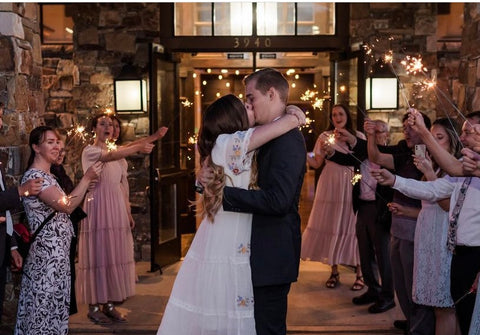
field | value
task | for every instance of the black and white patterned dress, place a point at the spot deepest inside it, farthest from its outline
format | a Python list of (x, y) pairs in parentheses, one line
[(45, 291)]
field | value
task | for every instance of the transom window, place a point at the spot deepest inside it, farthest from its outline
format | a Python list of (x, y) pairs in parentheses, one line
[(257, 19)]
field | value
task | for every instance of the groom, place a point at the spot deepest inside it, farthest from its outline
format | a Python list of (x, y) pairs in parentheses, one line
[(276, 236)]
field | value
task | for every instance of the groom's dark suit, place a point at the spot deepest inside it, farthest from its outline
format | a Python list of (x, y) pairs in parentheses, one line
[(9, 199), (276, 235)]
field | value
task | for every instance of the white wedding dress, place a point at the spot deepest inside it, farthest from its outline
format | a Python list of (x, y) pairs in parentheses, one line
[(213, 291)]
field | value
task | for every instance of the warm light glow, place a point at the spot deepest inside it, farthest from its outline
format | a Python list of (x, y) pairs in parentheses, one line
[(297, 76), (69, 30), (187, 103), (381, 93), (220, 77), (240, 96), (130, 95), (209, 70), (194, 75), (111, 146), (218, 94), (197, 92), (237, 72), (224, 71), (290, 72), (227, 84), (343, 88), (294, 85), (331, 138), (204, 82)]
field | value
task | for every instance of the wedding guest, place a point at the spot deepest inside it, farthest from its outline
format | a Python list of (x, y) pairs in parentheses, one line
[(45, 291), (330, 233), (106, 266)]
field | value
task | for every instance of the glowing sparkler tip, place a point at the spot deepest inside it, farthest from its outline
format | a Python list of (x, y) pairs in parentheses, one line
[(356, 178)]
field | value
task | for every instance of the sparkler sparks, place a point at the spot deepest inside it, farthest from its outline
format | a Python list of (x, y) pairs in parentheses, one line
[(356, 178), (331, 139), (413, 65), (111, 146)]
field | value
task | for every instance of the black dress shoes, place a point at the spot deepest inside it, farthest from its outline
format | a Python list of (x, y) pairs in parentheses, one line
[(400, 324), (366, 298), (381, 306)]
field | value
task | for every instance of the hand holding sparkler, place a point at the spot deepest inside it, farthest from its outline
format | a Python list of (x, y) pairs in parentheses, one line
[(397, 209), (298, 113), (383, 176), (343, 135), (416, 122), (327, 148), (30, 187), (470, 162), (2, 219), (369, 127)]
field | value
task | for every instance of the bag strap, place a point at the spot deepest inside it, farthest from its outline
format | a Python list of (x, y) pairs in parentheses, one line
[(34, 235)]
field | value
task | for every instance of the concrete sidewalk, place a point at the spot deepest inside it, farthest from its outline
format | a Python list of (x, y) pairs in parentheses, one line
[(313, 309)]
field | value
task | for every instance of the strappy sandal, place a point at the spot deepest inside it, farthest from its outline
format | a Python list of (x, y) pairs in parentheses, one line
[(333, 281), (97, 316), (358, 284), (110, 311)]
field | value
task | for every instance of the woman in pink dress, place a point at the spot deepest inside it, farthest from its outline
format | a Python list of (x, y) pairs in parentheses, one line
[(330, 234), (106, 267)]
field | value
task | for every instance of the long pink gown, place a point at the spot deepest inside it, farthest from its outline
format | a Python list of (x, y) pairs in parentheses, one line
[(330, 233), (106, 266)]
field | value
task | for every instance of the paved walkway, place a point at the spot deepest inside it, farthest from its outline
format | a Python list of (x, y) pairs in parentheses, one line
[(313, 309)]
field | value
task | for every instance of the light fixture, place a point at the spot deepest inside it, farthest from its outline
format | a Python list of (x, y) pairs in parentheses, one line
[(381, 87), (130, 91)]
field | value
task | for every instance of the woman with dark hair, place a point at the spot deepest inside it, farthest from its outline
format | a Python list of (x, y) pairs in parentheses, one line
[(330, 233), (43, 306), (213, 291), (432, 259), (106, 267)]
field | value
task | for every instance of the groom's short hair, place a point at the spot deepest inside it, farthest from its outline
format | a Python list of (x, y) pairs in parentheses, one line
[(267, 78)]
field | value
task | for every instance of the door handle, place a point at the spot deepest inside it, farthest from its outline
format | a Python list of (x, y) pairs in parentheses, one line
[(157, 177)]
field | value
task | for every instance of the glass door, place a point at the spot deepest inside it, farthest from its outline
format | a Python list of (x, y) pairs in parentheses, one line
[(171, 185)]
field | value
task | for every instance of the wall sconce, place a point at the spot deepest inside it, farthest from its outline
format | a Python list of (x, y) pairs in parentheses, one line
[(381, 87), (130, 91)]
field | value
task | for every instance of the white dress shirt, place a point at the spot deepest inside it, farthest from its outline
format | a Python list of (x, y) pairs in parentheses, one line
[(468, 229)]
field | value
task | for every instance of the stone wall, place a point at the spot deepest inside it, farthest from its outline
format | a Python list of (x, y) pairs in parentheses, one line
[(20, 83), (78, 83), (405, 29), (469, 70)]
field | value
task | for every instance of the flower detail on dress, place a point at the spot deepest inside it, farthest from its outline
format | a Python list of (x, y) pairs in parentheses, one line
[(235, 163), (244, 301), (243, 249)]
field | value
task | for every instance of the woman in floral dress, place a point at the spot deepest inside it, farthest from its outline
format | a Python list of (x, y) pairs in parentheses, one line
[(43, 306)]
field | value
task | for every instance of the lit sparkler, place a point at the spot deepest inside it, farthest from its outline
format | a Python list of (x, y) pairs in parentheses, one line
[(356, 178), (413, 65), (111, 146), (308, 95), (331, 139)]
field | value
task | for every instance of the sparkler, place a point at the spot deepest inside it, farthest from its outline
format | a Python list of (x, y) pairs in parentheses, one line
[(111, 146), (331, 139), (356, 178), (414, 65)]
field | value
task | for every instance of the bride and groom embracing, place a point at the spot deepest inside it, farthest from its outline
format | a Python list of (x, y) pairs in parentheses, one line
[(237, 273)]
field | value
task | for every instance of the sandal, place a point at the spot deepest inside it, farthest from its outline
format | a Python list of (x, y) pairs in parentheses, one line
[(333, 281), (96, 315), (110, 311), (358, 284)]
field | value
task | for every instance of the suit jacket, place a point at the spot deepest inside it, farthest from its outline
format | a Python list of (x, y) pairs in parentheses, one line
[(276, 235), (9, 200)]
